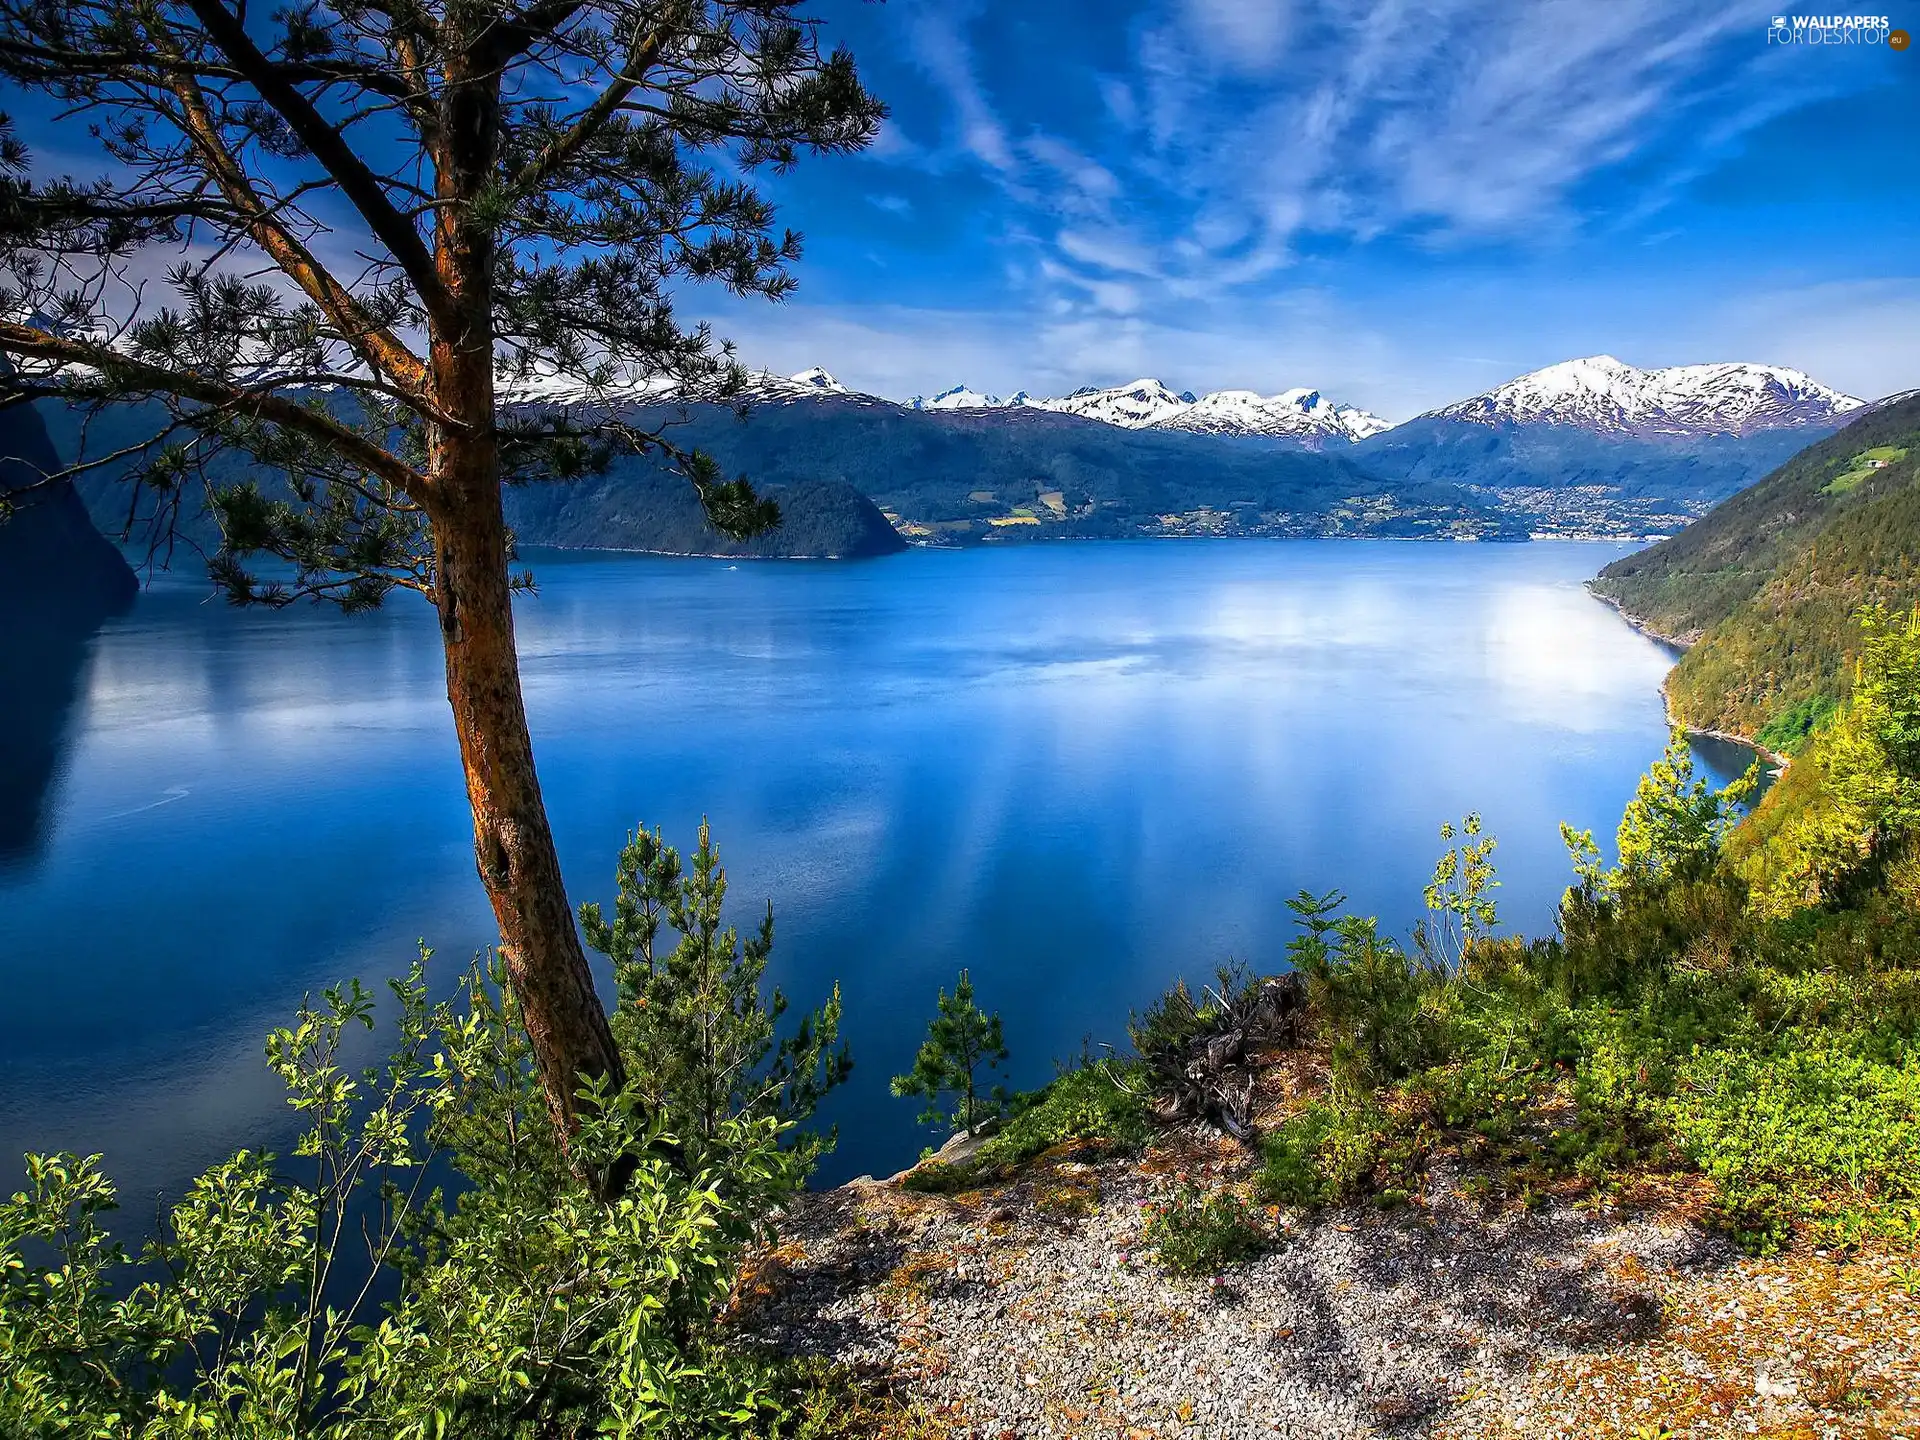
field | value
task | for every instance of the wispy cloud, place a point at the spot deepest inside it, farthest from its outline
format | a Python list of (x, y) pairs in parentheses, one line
[(1244, 129), (937, 37), (1400, 201)]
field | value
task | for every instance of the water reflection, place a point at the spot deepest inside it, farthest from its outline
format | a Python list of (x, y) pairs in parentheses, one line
[(1078, 771), (41, 672)]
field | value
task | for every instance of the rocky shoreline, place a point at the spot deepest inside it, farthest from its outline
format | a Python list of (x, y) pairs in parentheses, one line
[(1773, 757), (1032, 1309)]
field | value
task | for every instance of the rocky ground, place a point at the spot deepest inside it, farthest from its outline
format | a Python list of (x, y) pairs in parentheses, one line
[(1036, 1309)]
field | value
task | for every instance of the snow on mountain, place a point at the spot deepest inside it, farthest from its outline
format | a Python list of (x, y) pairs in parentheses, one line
[(1301, 413), (957, 398), (1605, 394), (1135, 406), (818, 379)]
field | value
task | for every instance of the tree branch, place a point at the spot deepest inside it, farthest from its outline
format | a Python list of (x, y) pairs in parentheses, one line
[(141, 377), (511, 37), (564, 147), (328, 146), (376, 345)]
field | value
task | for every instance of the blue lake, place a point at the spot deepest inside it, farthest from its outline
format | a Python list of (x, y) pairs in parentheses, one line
[(1077, 770)]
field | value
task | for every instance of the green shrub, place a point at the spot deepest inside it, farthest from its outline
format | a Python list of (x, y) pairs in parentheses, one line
[(530, 1306), (1324, 1154), (1198, 1233), (1382, 1008), (1099, 1102), (1827, 1131)]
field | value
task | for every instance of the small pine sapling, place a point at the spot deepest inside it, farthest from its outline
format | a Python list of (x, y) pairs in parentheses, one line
[(961, 1042)]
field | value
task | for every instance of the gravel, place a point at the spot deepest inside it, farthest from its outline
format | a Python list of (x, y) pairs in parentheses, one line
[(1037, 1309)]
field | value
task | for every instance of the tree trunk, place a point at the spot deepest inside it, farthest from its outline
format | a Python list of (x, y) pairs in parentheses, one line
[(513, 844), (512, 841)]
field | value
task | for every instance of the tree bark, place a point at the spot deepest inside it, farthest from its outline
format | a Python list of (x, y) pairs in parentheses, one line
[(513, 843)]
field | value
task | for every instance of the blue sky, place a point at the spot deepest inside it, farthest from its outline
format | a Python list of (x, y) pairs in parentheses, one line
[(1399, 201)]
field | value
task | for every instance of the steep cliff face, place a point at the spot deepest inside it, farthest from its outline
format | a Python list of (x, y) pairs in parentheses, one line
[(57, 572), (58, 580), (1765, 588)]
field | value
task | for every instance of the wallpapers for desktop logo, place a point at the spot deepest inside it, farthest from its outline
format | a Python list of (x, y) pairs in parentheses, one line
[(1835, 30)]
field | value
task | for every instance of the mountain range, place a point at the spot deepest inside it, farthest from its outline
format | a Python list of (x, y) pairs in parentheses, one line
[(1587, 448), (1598, 394)]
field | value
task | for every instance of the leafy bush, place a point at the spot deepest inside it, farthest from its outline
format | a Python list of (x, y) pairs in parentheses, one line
[(1096, 1103), (1382, 1008), (529, 1306), (533, 1304), (1827, 1132), (1201, 1233), (1322, 1155)]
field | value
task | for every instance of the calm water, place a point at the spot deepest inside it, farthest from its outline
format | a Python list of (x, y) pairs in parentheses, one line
[(1079, 771)]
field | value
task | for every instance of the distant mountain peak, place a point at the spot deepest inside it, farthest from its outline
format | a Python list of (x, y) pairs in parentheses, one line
[(955, 397), (817, 378), (1135, 406), (1604, 394), (1301, 414)]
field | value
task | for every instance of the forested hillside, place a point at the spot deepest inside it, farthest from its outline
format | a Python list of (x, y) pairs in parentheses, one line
[(1667, 468), (1017, 472), (1764, 588), (635, 505)]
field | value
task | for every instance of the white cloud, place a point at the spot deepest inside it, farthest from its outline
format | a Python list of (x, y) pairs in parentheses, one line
[(1243, 35), (937, 38), (1244, 128), (1862, 336), (1178, 231)]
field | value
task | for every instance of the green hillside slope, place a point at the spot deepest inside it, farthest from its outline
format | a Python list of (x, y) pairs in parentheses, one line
[(633, 505), (967, 476), (1763, 588)]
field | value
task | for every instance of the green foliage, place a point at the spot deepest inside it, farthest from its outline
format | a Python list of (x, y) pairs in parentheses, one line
[(1324, 1154), (696, 1030), (1850, 804), (529, 1307), (1460, 907), (1672, 829), (962, 1042), (1767, 583), (1675, 823), (1382, 1007), (1788, 732), (1824, 1133), (1099, 1103), (1199, 1232)]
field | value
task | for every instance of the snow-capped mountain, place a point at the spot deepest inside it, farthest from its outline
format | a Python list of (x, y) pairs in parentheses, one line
[(1603, 394), (959, 397), (819, 380), (1302, 413), (1135, 406)]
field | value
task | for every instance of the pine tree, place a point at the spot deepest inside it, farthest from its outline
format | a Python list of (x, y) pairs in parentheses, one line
[(447, 200), (695, 1030), (961, 1040)]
